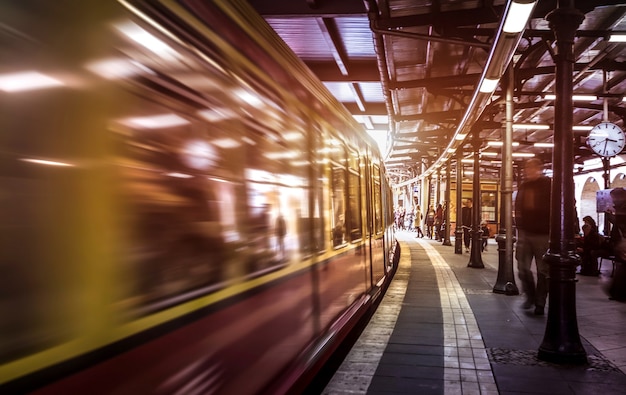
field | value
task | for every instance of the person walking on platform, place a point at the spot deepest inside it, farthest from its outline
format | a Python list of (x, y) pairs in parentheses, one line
[(409, 219), (418, 221), (430, 221), (438, 221), (485, 234), (466, 222), (532, 219)]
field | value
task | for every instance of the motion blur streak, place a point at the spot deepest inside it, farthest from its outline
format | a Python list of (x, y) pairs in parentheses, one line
[(186, 208)]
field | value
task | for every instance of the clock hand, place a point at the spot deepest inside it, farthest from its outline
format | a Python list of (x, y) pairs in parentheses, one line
[(598, 142), (606, 141)]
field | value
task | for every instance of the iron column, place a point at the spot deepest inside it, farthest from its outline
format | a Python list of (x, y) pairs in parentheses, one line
[(458, 231), (561, 341), (446, 219), (505, 283), (476, 257)]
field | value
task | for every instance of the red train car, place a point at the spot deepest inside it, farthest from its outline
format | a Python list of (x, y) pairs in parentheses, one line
[(186, 209)]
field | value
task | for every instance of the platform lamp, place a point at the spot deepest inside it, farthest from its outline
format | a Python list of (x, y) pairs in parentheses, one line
[(516, 17), (505, 43)]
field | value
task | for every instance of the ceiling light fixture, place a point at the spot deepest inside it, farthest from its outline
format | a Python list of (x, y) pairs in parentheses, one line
[(500, 143), (534, 126), (584, 97), (617, 37), (551, 96), (544, 145), (518, 15), (502, 50), (488, 85)]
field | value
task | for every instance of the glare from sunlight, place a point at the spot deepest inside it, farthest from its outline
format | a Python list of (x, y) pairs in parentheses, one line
[(380, 136)]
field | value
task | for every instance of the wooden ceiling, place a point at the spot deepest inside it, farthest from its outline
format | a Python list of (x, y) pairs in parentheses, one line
[(407, 69)]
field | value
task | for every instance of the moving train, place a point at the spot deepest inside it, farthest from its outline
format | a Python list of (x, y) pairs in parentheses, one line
[(185, 208)]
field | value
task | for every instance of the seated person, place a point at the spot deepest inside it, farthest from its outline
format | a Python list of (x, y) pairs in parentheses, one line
[(617, 287), (589, 248)]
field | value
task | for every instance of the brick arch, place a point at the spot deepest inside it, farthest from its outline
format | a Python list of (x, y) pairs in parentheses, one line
[(587, 204), (619, 181)]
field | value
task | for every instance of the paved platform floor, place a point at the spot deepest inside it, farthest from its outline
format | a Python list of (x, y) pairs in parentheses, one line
[(440, 329)]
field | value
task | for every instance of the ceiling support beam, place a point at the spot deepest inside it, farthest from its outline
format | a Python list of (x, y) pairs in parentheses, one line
[(429, 37), (521, 74), (433, 117), (360, 71), (329, 31), (460, 17), (381, 59), (308, 8), (358, 96)]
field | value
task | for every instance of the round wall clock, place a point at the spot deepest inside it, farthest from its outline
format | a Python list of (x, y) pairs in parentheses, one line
[(606, 139)]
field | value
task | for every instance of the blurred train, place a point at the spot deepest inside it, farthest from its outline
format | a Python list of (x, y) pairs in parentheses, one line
[(185, 208)]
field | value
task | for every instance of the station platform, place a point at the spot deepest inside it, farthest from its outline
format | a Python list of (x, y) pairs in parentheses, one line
[(440, 329)]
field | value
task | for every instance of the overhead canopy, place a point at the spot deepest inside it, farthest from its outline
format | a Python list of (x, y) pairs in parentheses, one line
[(410, 70)]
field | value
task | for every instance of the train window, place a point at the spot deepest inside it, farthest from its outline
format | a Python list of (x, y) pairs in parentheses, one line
[(338, 194), (488, 206), (378, 207), (277, 200), (317, 225), (354, 198)]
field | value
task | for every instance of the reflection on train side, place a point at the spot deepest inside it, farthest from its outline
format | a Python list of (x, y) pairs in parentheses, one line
[(171, 186)]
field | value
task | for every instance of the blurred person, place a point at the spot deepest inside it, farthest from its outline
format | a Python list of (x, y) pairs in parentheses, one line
[(430, 221), (617, 241), (532, 219), (409, 219), (466, 222), (486, 233), (589, 247), (418, 217), (402, 214), (443, 222), (438, 221), (397, 217), (281, 232)]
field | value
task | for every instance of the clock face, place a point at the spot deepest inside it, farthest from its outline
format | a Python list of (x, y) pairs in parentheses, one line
[(606, 139)]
